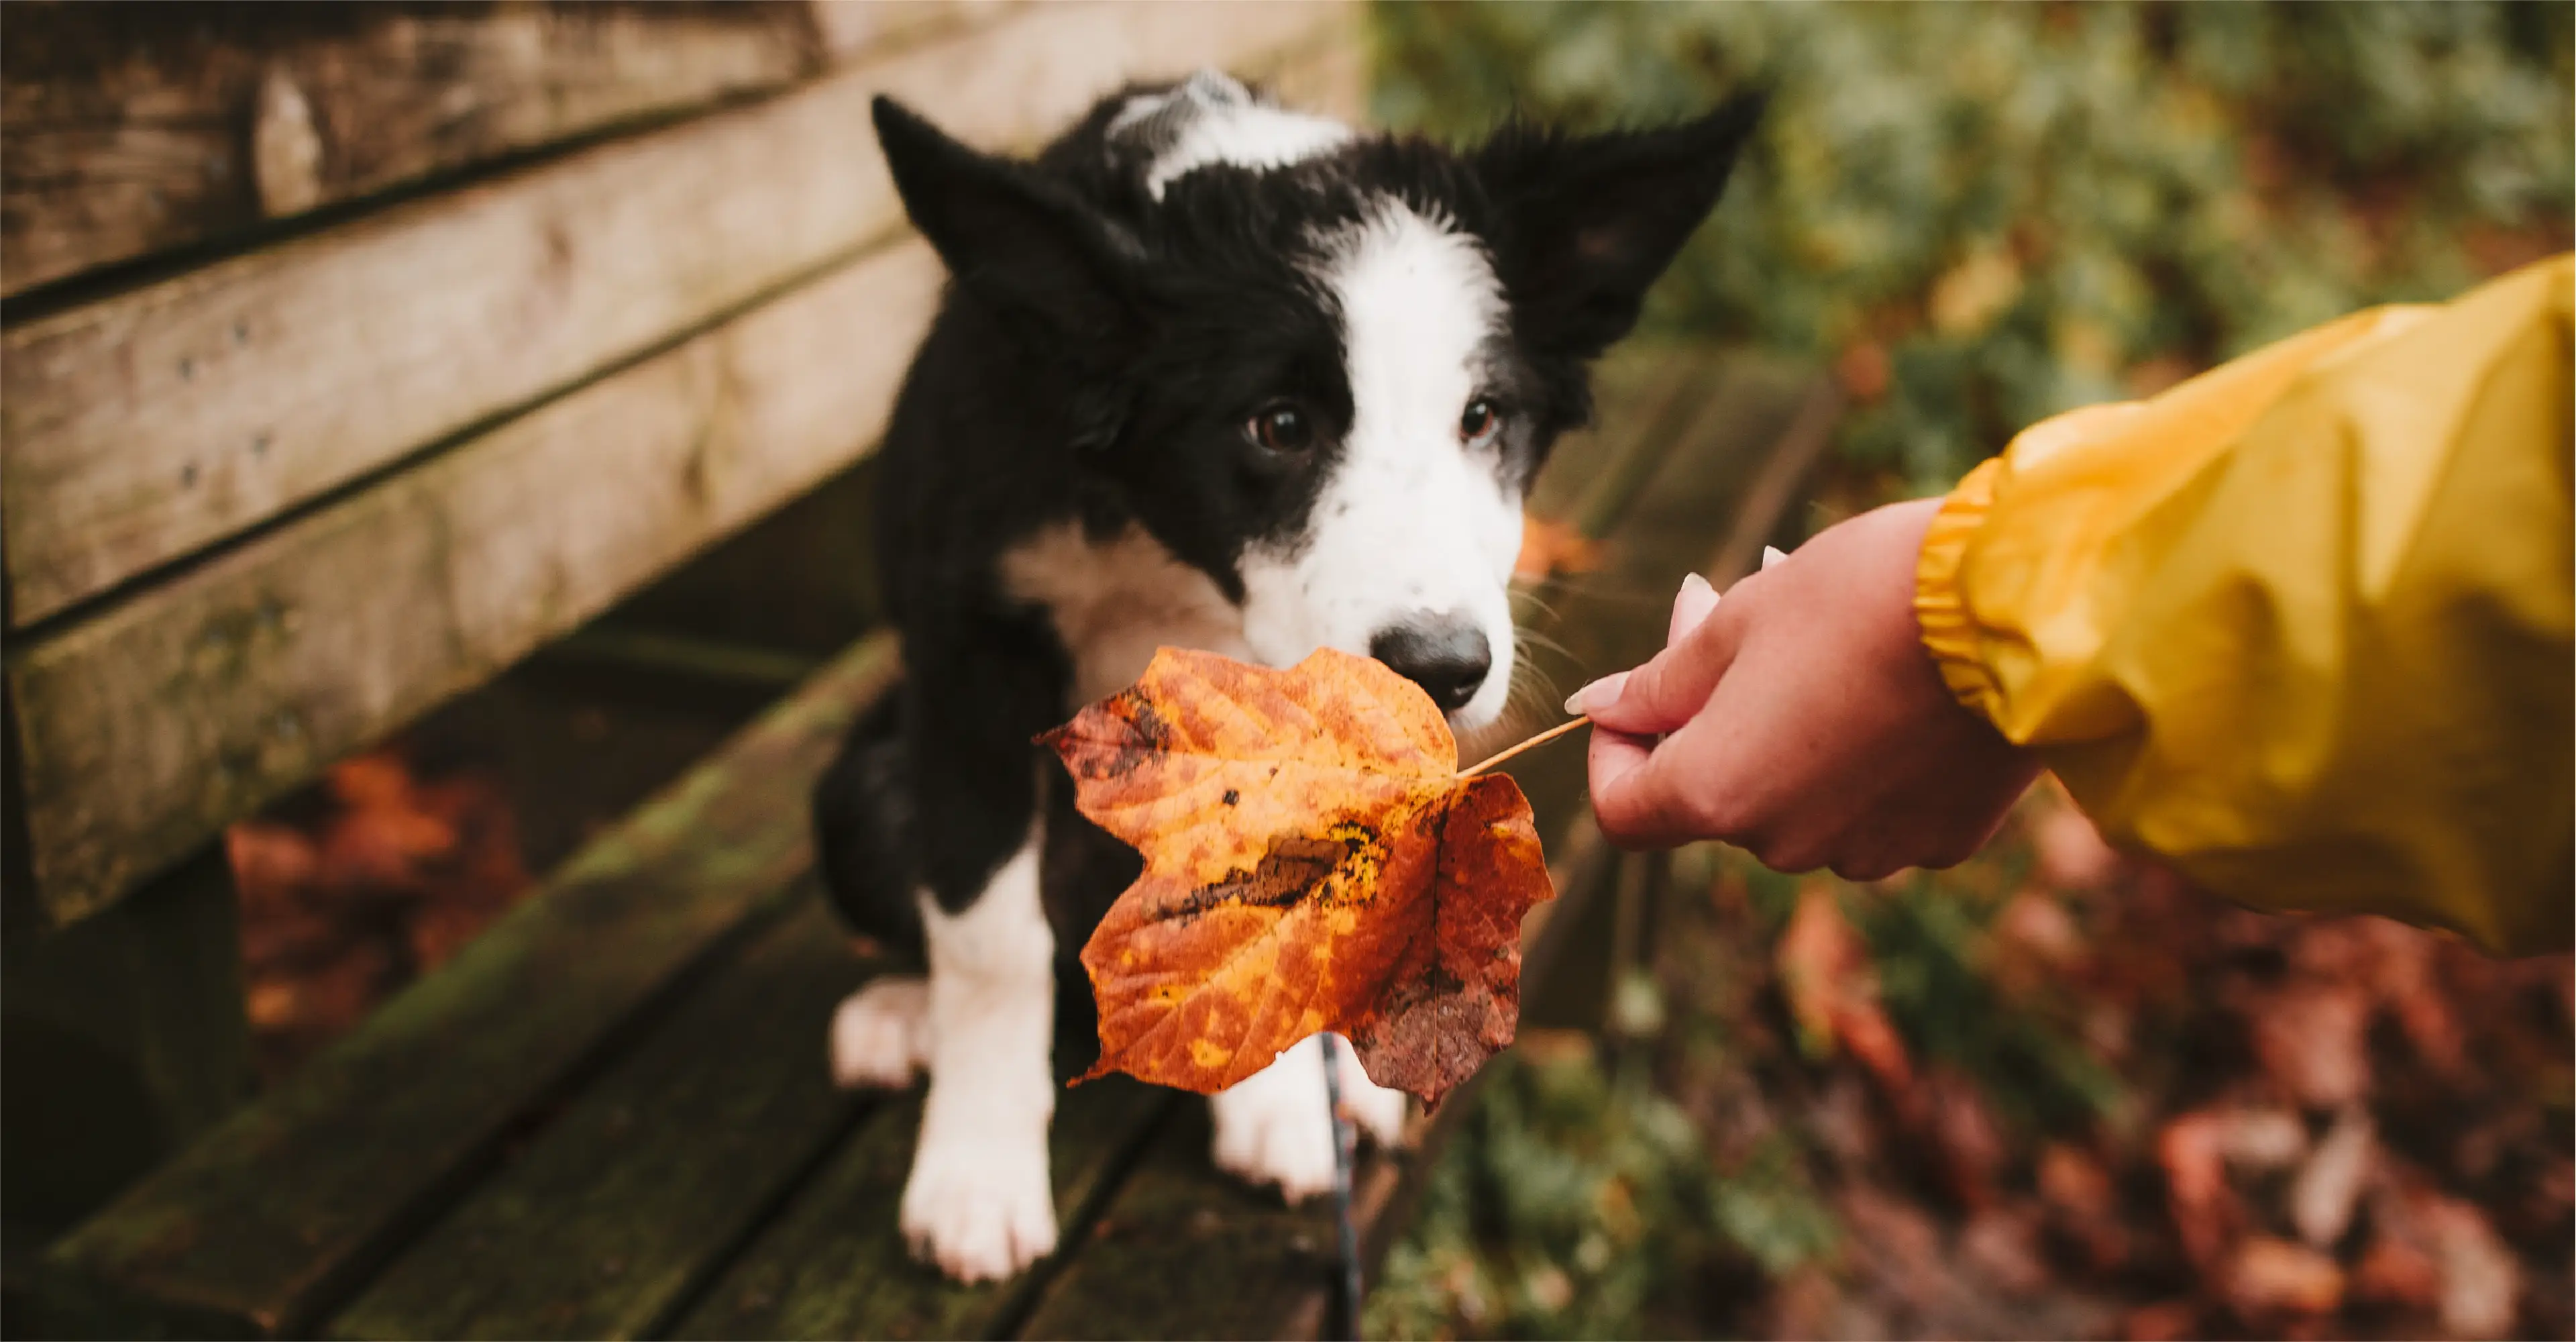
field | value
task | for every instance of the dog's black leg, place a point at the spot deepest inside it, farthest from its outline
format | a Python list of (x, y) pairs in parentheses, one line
[(863, 832), (978, 1201)]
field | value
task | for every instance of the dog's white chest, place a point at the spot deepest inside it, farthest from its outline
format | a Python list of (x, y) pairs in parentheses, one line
[(1114, 602)]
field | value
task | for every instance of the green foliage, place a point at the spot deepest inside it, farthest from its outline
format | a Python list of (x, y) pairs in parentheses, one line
[(1577, 1202), (1931, 940), (1989, 214)]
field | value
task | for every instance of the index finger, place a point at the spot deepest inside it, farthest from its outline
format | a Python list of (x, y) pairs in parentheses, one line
[(1670, 792)]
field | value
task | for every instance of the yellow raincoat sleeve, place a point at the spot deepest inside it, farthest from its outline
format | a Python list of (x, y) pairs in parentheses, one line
[(2301, 626)]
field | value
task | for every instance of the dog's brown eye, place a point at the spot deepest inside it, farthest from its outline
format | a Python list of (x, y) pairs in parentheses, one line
[(1480, 419), (1282, 428)]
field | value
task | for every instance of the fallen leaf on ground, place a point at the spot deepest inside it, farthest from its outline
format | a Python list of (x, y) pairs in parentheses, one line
[(1826, 974), (2314, 1039), (2166, 1321), (2322, 1197), (2270, 1277), (2195, 1150), (1314, 860), (2479, 1275)]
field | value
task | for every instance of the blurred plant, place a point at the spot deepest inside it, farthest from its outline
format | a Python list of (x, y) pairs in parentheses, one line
[(1578, 1202), (2051, 1092), (1982, 215)]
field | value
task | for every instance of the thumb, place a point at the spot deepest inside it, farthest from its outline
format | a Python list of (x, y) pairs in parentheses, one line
[(1670, 689)]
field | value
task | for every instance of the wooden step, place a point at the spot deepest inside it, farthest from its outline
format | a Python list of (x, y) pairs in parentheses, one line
[(264, 1226)]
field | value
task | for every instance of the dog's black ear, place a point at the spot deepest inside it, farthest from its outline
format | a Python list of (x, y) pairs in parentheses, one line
[(1588, 222), (1009, 235)]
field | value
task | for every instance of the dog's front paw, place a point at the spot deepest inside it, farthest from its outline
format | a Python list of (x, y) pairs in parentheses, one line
[(981, 1214), (1275, 1127), (881, 1033)]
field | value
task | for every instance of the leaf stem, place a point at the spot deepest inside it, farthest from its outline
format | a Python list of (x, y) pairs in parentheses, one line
[(1534, 742)]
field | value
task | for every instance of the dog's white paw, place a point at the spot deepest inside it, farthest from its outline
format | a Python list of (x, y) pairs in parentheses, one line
[(1275, 1126), (881, 1033), (982, 1213)]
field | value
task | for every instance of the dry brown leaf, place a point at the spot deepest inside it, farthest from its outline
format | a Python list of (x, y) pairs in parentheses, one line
[(2322, 1197), (1832, 988), (2083, 1203), (2194, 1150), (1314, 860), (2314, 1040), (2397, 1271), (2268, 1277), (2479, 1275), (2165, 1321)]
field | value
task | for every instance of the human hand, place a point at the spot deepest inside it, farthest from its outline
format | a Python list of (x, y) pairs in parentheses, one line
[(1801, 719)]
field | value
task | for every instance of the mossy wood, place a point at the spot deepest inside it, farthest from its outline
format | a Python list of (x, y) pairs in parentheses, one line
[(150, 726), (603, 1222), (835, 1264), (1181, 1250), (282, 1211)]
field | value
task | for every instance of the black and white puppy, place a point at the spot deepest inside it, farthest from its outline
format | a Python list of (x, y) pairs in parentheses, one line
[(1214, 374)]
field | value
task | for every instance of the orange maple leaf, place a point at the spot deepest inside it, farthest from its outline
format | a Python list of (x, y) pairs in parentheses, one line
[(1314, 860)]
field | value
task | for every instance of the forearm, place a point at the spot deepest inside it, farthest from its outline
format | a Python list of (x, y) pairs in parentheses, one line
[(2301, 626)]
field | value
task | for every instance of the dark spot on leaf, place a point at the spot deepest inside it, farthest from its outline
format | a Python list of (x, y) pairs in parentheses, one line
[(1232, 796), (1288, 873)]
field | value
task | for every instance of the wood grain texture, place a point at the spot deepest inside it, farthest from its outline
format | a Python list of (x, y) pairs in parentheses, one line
[(607, 1220), (146, 729), (253, 1230), (1184, 1250), (137, 128), (835, 1264), (851, 29), (138, 429)]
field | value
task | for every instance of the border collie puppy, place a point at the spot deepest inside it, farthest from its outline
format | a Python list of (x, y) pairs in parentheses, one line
[(1215, 374)]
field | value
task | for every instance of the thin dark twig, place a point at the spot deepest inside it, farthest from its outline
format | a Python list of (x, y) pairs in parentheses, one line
[(1345, 1136)]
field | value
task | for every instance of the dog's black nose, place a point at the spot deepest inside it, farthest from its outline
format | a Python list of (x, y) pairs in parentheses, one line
[(1446, 655)]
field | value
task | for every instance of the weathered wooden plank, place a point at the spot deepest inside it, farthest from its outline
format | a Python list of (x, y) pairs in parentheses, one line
[(147, 728), (138, 429), (257, 1228), (134, 128), (613, 1214), (835, 1264), (851, 29), (1185, 1250), (126, 1038)]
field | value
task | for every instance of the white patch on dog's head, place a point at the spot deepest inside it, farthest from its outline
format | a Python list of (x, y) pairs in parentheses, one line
[(1210, 118), (1414, 527)]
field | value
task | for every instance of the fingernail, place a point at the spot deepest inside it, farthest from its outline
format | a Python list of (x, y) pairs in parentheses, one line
[(1772, 554), (1598, 693), (1691, 604)]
